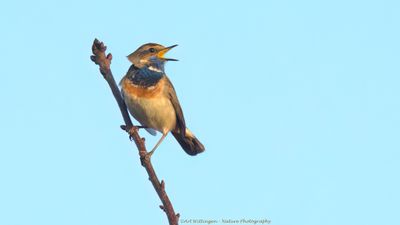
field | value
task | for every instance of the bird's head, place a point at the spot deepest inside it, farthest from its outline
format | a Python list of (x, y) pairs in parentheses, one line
[(150, 54)]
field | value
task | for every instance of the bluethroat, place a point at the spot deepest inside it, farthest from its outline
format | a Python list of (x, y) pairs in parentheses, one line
[(151, 98)]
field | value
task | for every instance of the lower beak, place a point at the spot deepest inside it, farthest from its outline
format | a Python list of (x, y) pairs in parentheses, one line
[(162, 52)]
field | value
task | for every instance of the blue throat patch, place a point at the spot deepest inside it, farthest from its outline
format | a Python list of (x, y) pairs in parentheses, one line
[(144, 76)]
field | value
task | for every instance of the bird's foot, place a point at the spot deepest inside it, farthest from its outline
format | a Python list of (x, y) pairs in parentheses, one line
[(149, 154), (131, 130), (125, 128)]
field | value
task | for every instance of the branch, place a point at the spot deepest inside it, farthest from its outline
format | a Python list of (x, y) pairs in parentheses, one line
[(99, 57)]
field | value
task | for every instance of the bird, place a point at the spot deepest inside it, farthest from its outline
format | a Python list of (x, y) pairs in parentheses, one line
[(152, 100)]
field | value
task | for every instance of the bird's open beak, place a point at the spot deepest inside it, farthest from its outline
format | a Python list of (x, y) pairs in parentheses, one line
[(162, 52)]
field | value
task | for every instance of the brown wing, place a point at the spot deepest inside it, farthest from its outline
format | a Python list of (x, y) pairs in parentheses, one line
[(180, 120)]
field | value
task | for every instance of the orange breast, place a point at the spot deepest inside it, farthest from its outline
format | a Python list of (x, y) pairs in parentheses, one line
[(142, 92)]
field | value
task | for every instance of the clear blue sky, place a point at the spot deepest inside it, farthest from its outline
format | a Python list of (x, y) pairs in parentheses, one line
[(297, 103)]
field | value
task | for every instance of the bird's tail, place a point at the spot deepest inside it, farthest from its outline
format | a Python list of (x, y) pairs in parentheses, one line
[(189, 142)]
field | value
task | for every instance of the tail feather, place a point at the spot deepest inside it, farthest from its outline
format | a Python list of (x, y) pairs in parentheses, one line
[(189, 143)]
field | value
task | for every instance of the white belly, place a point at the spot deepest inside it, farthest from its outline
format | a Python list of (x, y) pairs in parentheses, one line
[(157, 113)]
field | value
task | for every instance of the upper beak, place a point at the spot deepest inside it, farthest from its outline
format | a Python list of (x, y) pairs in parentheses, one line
[(162, 52)]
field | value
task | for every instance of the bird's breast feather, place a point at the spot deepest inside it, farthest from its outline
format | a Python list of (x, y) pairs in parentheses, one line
[(138, 91)]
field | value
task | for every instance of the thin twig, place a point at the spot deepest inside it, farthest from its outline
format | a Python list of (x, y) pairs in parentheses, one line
[(99, 57)]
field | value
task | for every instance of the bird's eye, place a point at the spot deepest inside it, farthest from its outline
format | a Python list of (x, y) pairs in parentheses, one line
[(152, 50)]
